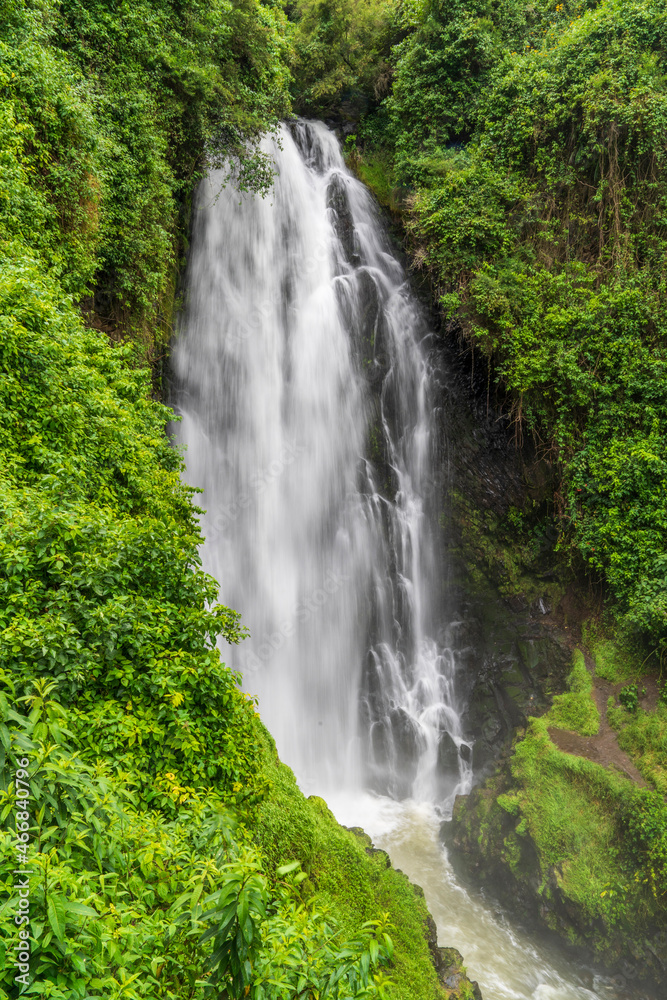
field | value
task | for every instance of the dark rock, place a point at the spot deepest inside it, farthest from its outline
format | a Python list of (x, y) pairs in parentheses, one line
[(381, 741), (308, 145), (448, 754), (408, 744), (339, 204), (448, 963), (371, 326)]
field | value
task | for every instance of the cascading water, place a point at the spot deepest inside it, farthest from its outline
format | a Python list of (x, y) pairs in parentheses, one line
[(307, 418), (305, 392)]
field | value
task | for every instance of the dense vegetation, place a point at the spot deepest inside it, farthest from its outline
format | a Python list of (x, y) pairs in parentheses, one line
[(107, 110), (528, 144), (171, 855), (525, 146)]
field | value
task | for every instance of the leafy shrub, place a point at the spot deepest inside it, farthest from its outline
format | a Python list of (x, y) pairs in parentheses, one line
[(341, 49), (645, 822), (125, 896), (113, 107), (628, 697)]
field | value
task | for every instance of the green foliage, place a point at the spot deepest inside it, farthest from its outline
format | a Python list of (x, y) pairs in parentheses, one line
[(375, 170), (341, 49), (534, 139), (99, 567), (108, 113), (121, 897), (441, 68), (275, 947), (645, 821), (576, 709), (628, 697)]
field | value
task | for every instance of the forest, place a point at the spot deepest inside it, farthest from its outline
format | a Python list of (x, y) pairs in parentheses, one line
[(520, 149)]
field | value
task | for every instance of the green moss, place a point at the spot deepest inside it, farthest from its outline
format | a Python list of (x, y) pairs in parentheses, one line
[(512, 852), (512, 551), (576, 710), (510, 803), (351, 882)]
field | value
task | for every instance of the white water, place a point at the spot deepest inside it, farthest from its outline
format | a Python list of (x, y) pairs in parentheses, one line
[(505, 961), (308, 421), (298, 346)]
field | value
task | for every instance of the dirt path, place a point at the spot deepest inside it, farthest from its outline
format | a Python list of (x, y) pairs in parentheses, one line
[(603, 748)]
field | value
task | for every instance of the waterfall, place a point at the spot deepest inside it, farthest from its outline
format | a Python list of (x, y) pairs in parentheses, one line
[(308, 419), (309, 415)]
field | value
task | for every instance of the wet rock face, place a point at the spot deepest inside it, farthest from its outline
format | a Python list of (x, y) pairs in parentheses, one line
[(372, 329), (408, 746), (307, 144), (396, 742), (515, 664), (338, 203), (448, 754)]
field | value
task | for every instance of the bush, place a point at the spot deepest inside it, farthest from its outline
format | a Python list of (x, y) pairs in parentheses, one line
[(534, 140)]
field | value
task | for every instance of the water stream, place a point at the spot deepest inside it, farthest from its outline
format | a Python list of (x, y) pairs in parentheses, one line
[(308, 417)]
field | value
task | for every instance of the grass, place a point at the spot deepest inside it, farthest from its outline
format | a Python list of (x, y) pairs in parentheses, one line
[(615, 661), (643, 735), (575, 710), (582, 837), (568, 806), (351, 884)]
